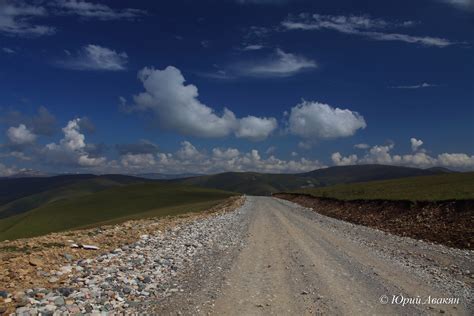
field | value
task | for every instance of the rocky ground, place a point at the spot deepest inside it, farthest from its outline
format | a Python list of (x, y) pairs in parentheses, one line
[(136, 261), (264, 257)]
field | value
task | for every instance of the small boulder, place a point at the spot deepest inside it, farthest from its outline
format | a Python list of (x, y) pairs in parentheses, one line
[(53, 279), (65, 291), (59, 301), (35, 262)]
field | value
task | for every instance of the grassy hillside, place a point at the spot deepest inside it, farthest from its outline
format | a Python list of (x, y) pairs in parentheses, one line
[(14, 188), (111, 205), (427, 188), (363, 173), (74, 189), (265, 184), (250, 182)]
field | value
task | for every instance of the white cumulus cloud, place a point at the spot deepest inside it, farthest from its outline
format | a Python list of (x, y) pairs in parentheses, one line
[(339, 160), (318, 121), (138, 161), (178, 108), (255, 128), (415, 143), (72, 148), (20, 135)]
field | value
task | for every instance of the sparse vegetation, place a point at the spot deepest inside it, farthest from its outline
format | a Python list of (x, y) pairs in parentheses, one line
[(427, 188)]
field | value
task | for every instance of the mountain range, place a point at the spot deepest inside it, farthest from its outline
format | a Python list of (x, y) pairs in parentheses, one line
[(264, 184)]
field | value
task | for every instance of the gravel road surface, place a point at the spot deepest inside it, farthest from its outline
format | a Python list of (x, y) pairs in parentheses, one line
[(295, 261)]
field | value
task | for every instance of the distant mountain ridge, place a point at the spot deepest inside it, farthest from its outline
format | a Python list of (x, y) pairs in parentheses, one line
[(265, 184), (41, 188), (165, 176)]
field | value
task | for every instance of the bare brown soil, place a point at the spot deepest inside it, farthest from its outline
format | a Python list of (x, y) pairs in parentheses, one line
[(28, 262), (450, 223)]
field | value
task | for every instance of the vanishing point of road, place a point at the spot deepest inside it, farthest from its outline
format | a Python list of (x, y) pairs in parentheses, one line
[(297, 262)]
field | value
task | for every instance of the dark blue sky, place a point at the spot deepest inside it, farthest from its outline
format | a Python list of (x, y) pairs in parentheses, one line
[(303, 82)]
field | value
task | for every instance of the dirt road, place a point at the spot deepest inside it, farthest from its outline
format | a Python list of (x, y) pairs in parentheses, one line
[(295, 262)]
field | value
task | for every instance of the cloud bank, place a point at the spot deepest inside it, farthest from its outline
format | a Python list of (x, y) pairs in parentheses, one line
[(381, 154), (190, 159)]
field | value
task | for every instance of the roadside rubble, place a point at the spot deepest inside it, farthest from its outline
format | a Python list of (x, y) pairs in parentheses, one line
[(112, 268)]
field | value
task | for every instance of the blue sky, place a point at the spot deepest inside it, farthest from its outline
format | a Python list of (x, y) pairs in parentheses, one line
[(211, 86)]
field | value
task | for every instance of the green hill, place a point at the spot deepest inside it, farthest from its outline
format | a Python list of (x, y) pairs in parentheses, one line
[(15, 188), (427, 188), (265, 184), (250, 182), (363, 173), (111, 205), (50, 189)]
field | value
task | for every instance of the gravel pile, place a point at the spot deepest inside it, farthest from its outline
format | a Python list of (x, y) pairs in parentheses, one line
[(123, 279)]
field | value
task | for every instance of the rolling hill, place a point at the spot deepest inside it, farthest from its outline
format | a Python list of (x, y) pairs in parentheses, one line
[(165, 176), (15, 188), (265, 184), (114, 204), (76, 187), (362, 173), (448, 186), (249, 182)]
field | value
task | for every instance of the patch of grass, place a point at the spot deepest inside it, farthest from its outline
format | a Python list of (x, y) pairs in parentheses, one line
[(112, 205), (426, 188)]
